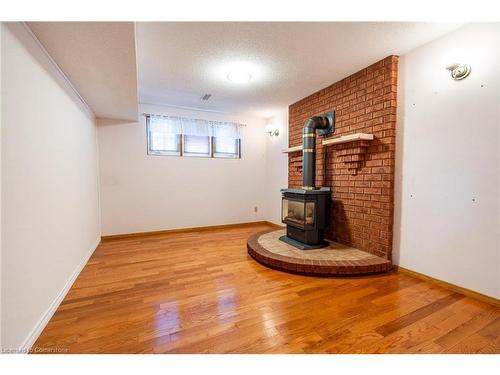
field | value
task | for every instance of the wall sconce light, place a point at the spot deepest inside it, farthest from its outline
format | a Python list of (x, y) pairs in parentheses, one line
[(272, 130), (459, 71)]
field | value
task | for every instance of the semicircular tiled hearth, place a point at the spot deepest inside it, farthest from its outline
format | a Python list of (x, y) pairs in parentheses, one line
[(336, 259)]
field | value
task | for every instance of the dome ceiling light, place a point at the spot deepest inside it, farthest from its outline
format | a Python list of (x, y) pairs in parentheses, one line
[(239, 76)]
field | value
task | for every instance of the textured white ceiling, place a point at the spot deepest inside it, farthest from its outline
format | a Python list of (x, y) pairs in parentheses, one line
[(99, 60), (176, 63), (179, 62)]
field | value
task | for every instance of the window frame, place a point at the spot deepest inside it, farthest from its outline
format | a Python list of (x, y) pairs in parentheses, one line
[(161, 152), (225, 155), (194, 154)]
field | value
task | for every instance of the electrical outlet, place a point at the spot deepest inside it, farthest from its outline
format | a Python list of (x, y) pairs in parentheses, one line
[(255, 209)]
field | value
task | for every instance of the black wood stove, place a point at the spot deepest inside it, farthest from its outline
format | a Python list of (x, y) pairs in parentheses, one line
[(305, 211)]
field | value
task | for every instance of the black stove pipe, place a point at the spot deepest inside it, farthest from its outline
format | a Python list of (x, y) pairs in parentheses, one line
[(309, 150)]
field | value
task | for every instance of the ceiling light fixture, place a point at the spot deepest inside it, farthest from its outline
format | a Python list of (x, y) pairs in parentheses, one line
[(238, 73), (239, 76)]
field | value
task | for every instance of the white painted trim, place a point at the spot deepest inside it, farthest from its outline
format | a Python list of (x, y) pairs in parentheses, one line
[(59, 70), (40, 325), (348, 138)]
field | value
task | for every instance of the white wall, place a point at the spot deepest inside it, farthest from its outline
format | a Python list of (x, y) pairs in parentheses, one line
[(447, 214), (50, 207), (276, 166), (1, 30), (141, 192)]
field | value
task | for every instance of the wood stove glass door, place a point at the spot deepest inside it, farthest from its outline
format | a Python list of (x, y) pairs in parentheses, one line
[(310, 213), (298, 213)]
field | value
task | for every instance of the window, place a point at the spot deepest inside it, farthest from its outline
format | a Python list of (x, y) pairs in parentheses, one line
[(178, 136), (226, 142), (197, 145), (164, 136), (196, 137)]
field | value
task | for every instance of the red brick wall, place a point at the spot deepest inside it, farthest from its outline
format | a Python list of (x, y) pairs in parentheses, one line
[(362, 197)]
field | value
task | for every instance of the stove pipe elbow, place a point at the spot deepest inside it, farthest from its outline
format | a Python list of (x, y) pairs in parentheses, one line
[(309, 150)]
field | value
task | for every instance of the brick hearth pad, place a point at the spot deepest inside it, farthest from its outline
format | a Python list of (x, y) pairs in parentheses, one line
[(336, 259)]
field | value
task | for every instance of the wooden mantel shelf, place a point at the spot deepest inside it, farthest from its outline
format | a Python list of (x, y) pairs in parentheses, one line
[(292, 149), (348, 138), (335, 141)]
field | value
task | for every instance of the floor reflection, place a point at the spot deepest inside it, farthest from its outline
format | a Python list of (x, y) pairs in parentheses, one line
[(167, 319), (226, 301)]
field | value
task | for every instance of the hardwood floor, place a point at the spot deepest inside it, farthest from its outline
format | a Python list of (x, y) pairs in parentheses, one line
[(199, 292)]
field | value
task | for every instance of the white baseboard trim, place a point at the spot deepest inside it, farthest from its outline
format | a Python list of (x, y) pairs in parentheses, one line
[(40, 325)]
